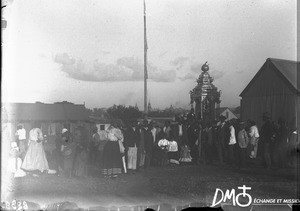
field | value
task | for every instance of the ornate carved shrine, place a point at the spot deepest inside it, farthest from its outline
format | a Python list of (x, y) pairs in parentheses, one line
[(205, 97)]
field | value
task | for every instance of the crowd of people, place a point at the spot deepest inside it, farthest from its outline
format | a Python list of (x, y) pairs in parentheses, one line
[(189, 140), (137, 145)]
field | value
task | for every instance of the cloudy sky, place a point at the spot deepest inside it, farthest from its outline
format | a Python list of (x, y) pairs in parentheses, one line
[(92, 50)]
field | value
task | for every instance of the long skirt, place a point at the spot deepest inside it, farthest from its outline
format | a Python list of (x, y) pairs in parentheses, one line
[(112, 159), (35, 158), (80, 164), (132, 158)]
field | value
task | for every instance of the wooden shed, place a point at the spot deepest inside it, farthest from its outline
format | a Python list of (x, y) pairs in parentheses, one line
[(273, 89)]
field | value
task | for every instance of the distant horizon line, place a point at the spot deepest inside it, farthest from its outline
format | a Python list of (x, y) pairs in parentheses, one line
[(105, 107)]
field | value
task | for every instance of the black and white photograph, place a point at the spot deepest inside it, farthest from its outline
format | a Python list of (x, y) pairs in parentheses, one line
[(165, 105)]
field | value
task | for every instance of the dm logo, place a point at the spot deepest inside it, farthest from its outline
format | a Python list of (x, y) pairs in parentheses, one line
[(231, 195)]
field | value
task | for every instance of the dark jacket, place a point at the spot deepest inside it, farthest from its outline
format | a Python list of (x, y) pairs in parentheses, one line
[(267, 132), (223, 135), (148, 139), (192, 133), (131, 137)]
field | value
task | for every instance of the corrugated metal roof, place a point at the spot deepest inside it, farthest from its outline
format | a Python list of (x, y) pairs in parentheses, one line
[(287, 69), (43, 112)]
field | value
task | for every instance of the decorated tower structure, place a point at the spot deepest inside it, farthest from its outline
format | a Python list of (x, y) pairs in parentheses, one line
[(205, 97)]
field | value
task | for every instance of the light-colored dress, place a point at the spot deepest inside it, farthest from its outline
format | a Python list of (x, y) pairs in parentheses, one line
[(35, 158), (232, 139), (254, 137), (185, 155)]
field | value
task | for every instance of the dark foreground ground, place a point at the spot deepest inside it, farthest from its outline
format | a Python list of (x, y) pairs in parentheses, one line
[(177, 186)]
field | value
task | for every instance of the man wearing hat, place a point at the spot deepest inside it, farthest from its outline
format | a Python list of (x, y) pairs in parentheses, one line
[(131, 140), (267, 134)]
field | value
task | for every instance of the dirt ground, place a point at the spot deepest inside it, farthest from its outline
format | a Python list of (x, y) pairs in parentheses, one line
[(176, 185)]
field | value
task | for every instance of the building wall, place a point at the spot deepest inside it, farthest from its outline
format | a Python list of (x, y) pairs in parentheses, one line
[(278, 107)]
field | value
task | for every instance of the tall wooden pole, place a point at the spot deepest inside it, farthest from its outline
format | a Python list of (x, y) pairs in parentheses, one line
[(145, 62)]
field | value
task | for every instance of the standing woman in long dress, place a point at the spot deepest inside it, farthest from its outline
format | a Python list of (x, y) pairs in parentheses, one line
[(35, 158), (112, 155)]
